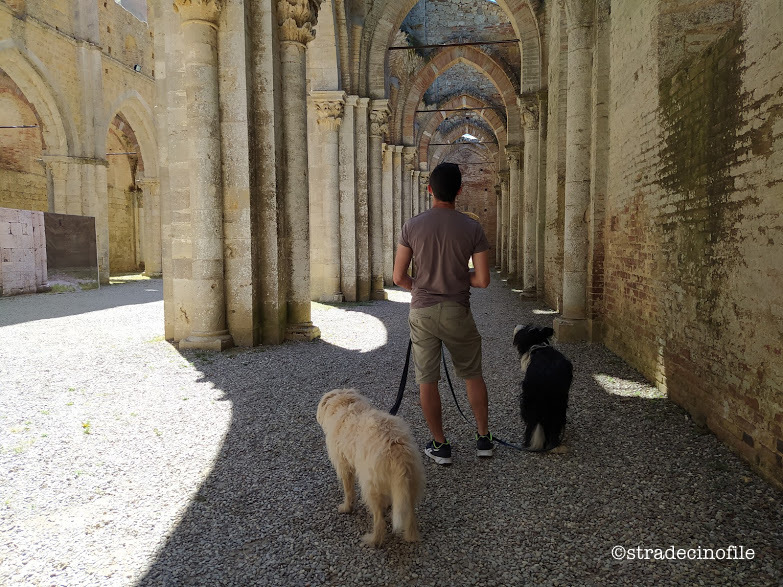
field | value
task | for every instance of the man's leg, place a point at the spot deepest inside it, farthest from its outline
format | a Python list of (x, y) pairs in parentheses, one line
[(477, 396), (430, 406)]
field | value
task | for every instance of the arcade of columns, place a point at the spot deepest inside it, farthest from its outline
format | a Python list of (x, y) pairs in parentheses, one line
[(328, 201)]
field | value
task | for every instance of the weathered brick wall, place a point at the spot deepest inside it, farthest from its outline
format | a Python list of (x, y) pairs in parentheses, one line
[(478, 194), (693, 273), (22, 252), (22, 175)]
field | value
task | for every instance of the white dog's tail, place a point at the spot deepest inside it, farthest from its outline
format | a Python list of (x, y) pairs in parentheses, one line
[(407, 490), (538, 439)]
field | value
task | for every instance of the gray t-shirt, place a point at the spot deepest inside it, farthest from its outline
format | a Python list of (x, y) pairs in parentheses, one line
[(442, 240)]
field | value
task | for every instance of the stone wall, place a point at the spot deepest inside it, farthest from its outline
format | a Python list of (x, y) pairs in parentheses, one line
[(693, 217), (22, 252)]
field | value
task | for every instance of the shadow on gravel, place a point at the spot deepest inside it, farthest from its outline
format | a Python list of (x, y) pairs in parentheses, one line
[(637, 474), (43, 306)]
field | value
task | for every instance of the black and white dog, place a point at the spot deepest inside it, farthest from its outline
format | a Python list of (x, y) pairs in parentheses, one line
[(546, 379)]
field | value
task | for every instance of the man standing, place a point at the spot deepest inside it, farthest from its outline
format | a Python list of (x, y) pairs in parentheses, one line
[(442, 241)]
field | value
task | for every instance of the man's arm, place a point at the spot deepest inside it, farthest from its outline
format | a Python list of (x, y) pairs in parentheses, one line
[(401, 262), (479, 275)]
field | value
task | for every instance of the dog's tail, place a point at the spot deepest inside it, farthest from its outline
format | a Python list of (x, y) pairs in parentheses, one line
[(407, 490), (538, 439)]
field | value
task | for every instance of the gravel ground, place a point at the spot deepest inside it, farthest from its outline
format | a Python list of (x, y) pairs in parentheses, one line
[(126, 462)]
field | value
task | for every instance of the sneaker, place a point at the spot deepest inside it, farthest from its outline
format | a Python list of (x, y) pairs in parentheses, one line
[(484, 445), (440, 453)]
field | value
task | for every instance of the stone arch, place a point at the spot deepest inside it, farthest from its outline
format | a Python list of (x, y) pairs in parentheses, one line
[(133, 225), (133, 108), (487, 152), (33, 79), (441, 62), (386, 17), (438, 116)]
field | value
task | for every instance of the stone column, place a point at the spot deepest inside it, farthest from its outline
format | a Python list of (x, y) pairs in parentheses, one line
[(329, 108), (151, 246), (388, 214), (572, 324), (208, 310), (416, 192), (296, 19), (541, 214), (513, 155), (361, 151), (424, 180), (499, 224), (504, 196), (379, 126), (529, 110), (347, 210), (408, 154), (396, 195)]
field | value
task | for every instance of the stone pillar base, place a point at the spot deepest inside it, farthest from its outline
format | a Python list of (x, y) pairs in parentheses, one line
[(303, 332), (379, 294), (154, 274), (210, 342), (567, 330), (529, 294), (331, 299)]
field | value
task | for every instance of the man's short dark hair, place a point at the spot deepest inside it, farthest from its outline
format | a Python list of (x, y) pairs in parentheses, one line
[(445, 181)]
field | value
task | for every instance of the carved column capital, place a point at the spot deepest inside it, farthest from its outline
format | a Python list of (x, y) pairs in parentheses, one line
[(528, 110), (297, 19), (514, 155), (329, 109), (379, 118), (206, 11), (503, 175), (409, 155), (424, 179)]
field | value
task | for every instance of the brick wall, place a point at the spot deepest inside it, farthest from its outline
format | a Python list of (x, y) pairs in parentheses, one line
[(478, 194), (22, 175), (693, 230)]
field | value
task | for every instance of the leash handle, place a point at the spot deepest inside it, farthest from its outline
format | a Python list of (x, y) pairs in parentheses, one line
[(403, 381)]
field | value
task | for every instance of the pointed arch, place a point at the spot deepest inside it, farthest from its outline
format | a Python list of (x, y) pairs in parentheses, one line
[(139, 115), (386, 17), (441, 62), (431, 126), (39, 88)]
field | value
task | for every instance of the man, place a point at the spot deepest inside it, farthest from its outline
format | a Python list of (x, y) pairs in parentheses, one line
[(442, 241)]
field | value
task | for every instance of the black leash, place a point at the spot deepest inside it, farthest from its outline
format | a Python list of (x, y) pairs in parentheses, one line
[(404, 380)]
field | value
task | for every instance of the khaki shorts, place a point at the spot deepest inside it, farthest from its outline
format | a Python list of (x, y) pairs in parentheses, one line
[(452, 324)]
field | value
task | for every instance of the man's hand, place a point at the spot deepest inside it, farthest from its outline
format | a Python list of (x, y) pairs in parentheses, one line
[(401, 263)]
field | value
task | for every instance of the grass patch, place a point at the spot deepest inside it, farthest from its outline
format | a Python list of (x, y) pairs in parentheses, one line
[(160, 338), (86, 427), (88, 285), (59, 288)]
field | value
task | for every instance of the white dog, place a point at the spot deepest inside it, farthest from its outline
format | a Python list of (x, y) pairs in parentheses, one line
[(379, 450)]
